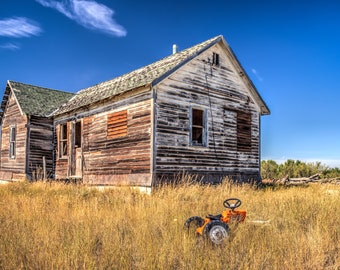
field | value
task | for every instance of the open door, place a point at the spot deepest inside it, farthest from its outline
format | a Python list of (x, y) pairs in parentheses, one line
[(77, 153)]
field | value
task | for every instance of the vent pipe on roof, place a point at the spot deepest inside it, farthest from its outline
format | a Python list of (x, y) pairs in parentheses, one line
[(174, 49)]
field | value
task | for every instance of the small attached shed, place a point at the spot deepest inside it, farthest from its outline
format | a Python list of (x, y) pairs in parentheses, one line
[(27, 130), (195, 111)]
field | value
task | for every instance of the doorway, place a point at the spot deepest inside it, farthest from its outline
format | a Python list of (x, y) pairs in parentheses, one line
[(77, 153)]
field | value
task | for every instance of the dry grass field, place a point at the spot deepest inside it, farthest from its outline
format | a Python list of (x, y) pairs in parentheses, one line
[(57, 226)]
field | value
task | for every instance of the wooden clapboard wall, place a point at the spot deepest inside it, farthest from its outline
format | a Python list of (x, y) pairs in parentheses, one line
[(12, 168), (232, 120), (116, 141), (40, 147)]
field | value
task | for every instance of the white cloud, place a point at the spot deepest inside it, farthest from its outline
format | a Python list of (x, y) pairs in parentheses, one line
[(19, 27), (10, 46), (328, 162), (254, 71), (88, 13)]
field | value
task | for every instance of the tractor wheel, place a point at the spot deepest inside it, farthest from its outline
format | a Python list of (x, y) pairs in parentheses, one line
[(216, 231), (192, 223)]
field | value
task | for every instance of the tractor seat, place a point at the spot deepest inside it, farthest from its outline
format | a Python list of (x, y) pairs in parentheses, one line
[(216, 217)]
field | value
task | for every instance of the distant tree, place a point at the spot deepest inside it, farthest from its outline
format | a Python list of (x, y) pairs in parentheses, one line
[(331, 173), (269, 169), (291, 168), (287, 168)]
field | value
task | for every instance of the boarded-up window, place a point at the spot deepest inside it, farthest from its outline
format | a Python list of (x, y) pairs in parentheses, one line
[(229, 129), (198, 129), (117, 124), (12, 141), (243, 131), (63, 141)]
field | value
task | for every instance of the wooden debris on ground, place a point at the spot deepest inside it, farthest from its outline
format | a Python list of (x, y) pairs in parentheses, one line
[(302, 180)]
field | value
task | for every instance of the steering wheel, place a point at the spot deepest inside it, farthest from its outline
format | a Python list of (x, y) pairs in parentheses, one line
[(232, 203)]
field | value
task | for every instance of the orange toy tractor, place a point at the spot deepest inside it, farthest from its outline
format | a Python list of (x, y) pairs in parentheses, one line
[(216, 227)]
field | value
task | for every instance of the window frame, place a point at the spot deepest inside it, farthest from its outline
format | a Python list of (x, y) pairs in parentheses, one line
[(63, 142), (216, 59), (12, 141), (78, 134), (202, 126)]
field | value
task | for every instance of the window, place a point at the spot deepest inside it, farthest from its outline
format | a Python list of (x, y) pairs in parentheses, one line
[(77, 130), (243, 131), (117, 124), (198, 129), (12, 141), (63, 140), (216, 59)]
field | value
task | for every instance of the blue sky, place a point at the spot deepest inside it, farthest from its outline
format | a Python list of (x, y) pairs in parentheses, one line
[(290, 50)]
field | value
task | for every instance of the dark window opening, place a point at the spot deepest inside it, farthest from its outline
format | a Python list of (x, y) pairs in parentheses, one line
[(197, 128), (12, 142), (63, 140), (216, 59), (243, 131), (77, 139)]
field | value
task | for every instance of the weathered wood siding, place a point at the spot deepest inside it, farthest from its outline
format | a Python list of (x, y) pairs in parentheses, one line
[(115, 159), (40, 133), (220, 92), (13, 168), (116, 145)]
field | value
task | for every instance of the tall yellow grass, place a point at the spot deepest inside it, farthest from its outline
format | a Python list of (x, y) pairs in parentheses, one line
[(56, 226)]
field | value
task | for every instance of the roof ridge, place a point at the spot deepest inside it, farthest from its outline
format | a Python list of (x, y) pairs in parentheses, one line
[(36, 100), (41, 87), (151, 64), (147, 75)]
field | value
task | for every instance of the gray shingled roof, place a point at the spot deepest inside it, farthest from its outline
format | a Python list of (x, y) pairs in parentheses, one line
[(137, 78), (38, 101)]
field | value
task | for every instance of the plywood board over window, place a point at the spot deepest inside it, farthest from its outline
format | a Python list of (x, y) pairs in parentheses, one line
[(117, 124), (243, 131)]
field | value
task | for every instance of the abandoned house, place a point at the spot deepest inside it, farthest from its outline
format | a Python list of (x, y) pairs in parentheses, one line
[(194, 112), (27, 132)]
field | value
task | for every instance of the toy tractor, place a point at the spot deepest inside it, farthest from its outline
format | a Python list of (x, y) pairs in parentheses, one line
[(215, 227)]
